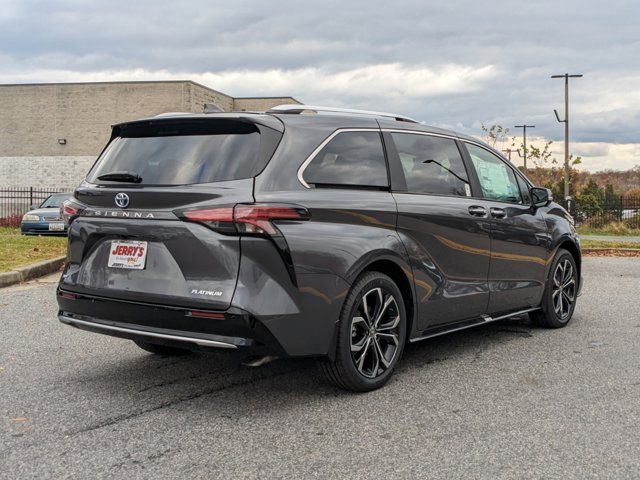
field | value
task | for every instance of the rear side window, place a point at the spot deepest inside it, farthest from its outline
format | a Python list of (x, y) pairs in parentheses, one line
[(180, 153), (350, 158), (431, 165)]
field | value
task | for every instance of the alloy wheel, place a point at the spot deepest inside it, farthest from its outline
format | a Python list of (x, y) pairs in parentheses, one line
[(375, 332), (564, 289)]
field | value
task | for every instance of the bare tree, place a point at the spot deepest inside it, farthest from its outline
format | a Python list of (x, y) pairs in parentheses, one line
[(495, 134)]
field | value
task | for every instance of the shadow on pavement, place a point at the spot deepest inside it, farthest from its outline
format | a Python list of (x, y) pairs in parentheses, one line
[(143, 382)]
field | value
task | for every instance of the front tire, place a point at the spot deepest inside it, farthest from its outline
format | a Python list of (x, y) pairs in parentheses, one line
[(371, 335), (560, 294), (163, 350)]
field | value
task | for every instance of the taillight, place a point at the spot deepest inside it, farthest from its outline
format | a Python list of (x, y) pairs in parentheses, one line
[(70, 209), (253, 218), (257, 218)]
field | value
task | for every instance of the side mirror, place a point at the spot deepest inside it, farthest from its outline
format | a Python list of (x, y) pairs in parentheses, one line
[(541, 197), (34, 206)]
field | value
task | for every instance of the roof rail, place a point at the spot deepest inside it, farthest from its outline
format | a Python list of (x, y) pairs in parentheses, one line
[(297, 108), (171, 114)]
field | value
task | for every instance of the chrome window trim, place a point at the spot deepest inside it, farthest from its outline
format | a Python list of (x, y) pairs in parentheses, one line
[(493, 152), (315, 152), (446, 135), (417, 132), (469, 193), (509, 165)]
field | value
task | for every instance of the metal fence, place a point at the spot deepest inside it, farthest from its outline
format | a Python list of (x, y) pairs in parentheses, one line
[(596, 213), (599, 213), (16, 201)]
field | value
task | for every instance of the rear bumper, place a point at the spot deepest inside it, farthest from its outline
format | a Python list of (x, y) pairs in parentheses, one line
[(40, 228), (167, 325)]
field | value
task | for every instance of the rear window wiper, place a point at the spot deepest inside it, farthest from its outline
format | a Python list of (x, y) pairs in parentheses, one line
[(131, 177)]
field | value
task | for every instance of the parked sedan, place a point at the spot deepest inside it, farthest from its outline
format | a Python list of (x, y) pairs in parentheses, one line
[(46, 219)]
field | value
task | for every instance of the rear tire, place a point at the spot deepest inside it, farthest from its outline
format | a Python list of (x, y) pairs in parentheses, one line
[(163, 350), (371, 335), (560, 294)]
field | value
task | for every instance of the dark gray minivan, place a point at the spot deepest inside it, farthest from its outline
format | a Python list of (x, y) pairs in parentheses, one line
[(309, 231)]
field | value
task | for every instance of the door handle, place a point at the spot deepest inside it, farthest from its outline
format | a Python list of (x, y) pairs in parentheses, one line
[(498, 212), (478, 211)]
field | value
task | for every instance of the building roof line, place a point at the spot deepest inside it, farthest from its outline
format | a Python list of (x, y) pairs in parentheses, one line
[(125, 82), (115, 82), (270, 97), (40, 84)]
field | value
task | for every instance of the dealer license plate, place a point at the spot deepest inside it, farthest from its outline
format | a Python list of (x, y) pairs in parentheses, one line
[(127, 254)]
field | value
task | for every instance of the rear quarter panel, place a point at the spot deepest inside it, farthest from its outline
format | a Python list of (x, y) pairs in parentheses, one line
[(348, 230)]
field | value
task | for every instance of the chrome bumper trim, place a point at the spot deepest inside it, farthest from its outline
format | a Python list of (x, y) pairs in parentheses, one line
[(144, 333)]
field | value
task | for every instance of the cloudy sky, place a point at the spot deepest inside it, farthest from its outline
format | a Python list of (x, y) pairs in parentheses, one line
[(454, 64)]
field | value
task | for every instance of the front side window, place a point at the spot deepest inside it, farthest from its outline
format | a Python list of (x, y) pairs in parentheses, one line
[(497, 179), (350, 159), (524, 190), (431, 165)]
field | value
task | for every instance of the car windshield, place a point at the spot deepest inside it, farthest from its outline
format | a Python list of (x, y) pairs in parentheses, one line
[(180, 154), (54, 201)]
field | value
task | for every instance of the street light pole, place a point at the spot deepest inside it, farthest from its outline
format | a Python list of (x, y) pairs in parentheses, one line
[(566, 77), (524, 142)]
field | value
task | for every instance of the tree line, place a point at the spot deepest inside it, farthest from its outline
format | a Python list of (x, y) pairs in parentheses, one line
[(600, 197), (544, 170)]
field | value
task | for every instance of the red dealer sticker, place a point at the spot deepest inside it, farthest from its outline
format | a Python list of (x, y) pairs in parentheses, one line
[(127, 254)]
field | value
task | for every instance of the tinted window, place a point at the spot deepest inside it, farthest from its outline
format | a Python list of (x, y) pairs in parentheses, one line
[(350, 158), (178, 154), (497, 179), (524, 190), (431, 164)]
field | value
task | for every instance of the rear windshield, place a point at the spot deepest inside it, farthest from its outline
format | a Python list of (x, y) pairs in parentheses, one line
[(54, 201), (180, 153)]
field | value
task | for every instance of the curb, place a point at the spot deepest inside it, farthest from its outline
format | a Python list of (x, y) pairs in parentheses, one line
[(29, 272), (613, 251), (603, 249)]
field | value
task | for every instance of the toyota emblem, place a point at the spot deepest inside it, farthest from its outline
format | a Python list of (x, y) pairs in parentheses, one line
[(122, 200)]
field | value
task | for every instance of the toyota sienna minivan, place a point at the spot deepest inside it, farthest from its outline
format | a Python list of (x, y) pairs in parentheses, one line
[(309, 231)]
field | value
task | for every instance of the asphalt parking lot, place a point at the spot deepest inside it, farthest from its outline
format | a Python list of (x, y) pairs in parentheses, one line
[(506, 400)]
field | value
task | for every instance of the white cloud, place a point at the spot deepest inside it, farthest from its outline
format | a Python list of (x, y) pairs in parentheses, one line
[(387, 82), (448, 63), (591, 149), (618, 156)]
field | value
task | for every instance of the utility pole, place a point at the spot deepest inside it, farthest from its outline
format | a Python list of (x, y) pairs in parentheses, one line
[(566, 77), (524, 142)]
